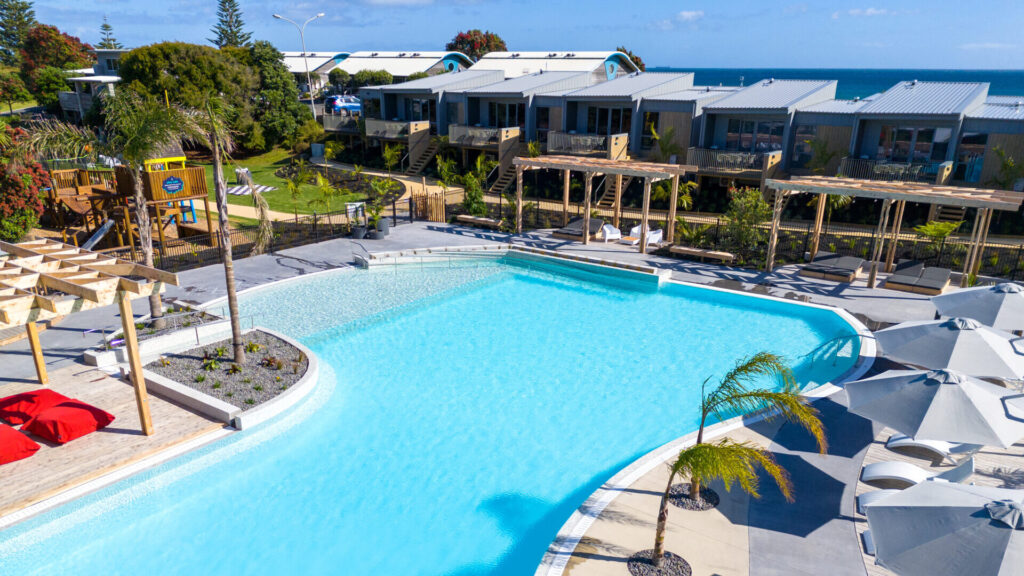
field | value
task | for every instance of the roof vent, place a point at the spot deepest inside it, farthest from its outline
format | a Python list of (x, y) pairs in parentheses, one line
[(401, 54), (415, 54), (1018, 104), (374, 54), (570, 55), (912, 83), (552, 54), (856, 98)]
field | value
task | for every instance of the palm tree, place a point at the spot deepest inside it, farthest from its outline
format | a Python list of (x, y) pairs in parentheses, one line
[(294, 182), (665, 146), (738, 462), (136, 129), (209, 125), (327, 191), (392, 155)]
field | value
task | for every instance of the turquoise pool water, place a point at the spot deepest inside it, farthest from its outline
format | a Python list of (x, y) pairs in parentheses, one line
[(464, 412)]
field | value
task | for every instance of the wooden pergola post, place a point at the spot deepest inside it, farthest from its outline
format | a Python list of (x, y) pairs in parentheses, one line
[(519, 199), (981, 243), (588, 184), (894, 238), (879, 240), (131, 345), (670, 232), (37, 352), (819, 219), (617, 217), (773, 236), (645, 215), (565, 197)]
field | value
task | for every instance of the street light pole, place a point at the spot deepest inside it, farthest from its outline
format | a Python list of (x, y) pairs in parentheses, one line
[(302, 38)]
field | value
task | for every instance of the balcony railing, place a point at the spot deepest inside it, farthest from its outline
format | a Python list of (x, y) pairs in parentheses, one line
[(473, 135), (388, 129), (889, 171), (341, 123), (577, 144), (724, 161), (69, 101)]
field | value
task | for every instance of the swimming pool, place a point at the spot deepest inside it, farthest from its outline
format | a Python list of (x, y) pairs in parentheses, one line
[(465, 410)]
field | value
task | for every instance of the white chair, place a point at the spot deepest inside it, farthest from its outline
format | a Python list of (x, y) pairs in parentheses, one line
[(910, 474), (869, 498), (609, 232), (945, 450), (653, 236)]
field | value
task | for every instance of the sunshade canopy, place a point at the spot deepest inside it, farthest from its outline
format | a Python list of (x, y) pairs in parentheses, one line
[(1000, 306), (960, 344)]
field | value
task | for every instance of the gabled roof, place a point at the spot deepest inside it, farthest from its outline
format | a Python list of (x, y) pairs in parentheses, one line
[(539, 83), (1005, 100), (296, 61), (695, 94), (1000, 108), (396, 63), (928, 98), (450, 81), (777, 95), (836, 106), (514, 64), (638, 85)]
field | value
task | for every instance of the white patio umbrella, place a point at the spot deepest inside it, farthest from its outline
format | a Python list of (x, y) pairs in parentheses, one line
[(1000, 306), (938, 405), (959, 344), (939, 528)]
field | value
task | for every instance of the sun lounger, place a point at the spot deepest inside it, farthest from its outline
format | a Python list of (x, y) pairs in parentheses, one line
[(574, 231), (911, 276), (941, 449), (833, 267), (726, 257), (910, 474), (609, 232), (867, 498)]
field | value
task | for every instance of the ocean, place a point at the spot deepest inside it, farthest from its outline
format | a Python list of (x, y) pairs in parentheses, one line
[(855, 82)]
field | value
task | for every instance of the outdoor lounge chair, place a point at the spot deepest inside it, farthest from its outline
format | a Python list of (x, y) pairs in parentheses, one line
[(945, 450), (833, 267), (609, 232), (867, 498), (910, 474), (912, 276), (574, 231), (653, 237)]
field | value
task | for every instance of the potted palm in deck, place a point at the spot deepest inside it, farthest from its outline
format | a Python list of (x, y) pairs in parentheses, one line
[(726, 460)]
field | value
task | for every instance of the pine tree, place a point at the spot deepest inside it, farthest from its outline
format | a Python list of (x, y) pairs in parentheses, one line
[(230, 29), (107, 40), (16, 18)]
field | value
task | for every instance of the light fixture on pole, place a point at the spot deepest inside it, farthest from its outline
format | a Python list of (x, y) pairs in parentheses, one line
[(302, 38)]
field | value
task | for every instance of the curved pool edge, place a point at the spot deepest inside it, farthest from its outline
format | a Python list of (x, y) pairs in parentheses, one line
[(560, 551), (288, 398)]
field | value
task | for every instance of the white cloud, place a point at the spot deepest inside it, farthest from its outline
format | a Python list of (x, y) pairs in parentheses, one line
[(399, 2), (870, 12), (835, 15), (987, 46), (690, 15)]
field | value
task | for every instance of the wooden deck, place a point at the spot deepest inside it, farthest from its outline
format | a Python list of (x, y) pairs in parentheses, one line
[(54, 468), (993, 466)]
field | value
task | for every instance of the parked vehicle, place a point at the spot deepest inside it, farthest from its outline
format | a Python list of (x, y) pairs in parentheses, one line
[(343, 105)]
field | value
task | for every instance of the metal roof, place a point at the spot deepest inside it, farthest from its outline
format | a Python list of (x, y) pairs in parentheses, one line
[(695, 94), (774, 94), (836, 106), (296, 63), (638, 84), (96, 79), (928, 98), (539, 83), (990, 111), (447, 81), (515, 64), (395, 63), (1005, 100)]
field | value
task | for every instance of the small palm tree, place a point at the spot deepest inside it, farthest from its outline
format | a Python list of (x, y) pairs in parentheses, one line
[(327, 192), (665, 146), (294, 182), (392, 156), (734, 462)]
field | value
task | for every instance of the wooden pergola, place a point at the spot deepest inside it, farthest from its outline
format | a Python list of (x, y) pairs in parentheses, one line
[(44, 279), (590, 167), (898, 193)]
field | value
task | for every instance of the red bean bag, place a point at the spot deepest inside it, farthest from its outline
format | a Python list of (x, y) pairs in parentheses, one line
[(14, 445), (21, 408), (68, 420)]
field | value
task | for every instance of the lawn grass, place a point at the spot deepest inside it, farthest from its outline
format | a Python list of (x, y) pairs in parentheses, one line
[(232, 219), (262, 167)]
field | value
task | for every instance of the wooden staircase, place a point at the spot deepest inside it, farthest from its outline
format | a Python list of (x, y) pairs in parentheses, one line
[(420, 163), (506, 179), (607, 199), (949, 213)]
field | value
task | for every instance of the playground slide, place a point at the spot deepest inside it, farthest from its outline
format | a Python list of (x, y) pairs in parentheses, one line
[(98, 235)]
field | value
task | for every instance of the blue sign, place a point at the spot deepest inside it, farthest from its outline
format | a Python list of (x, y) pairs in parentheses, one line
[(173, 185)]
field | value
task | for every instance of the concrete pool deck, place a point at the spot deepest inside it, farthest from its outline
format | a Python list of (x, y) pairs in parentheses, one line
[(802, 538)]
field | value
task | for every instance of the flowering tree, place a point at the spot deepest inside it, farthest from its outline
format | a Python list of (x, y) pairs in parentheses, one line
[(474, 43), (637, 61), (46, 47), (21, 181), (12, 90)]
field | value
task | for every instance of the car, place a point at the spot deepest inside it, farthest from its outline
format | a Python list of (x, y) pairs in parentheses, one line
[(343, 105)]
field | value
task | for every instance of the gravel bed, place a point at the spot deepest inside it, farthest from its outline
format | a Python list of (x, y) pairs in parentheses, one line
[(679, 496), (266, 372), (173, 322), (639, 564)]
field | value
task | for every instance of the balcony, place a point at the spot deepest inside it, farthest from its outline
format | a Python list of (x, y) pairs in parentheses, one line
[(74, 102), (478, 137), (595, 145), (341, 123), (387, 129), (890, 171)]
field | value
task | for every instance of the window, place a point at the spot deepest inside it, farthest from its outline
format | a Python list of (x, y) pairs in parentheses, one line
[(769, 136), (801, 145), (750, 136), (111, 64), (506, 115), (543, 118), (452, 112), (650, 128), (607, 121), (940, 144), (906, 144), (970, 157)]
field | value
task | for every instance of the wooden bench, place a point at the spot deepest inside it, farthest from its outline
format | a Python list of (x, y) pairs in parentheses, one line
[(479, 221), (726, 257)]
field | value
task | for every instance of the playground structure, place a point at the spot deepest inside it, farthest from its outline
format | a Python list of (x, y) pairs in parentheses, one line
[(102, 202)]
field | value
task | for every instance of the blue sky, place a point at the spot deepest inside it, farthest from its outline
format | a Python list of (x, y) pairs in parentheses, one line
[(689, 34)]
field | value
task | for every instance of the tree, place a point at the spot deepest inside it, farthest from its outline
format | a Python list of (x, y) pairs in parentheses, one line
[(136, 128), (12, 90), (16, 18), (278, 114), (734, 462), (339, 78), (392, 156), (371, 78), (50, 81), (475, 44), (327, 193), (937, 233), (230, 29), (473, 183), (416, 76), (107, 40), (47, 47), (747, 212), (21, 181), (665, 145), (637, 61), (294, 181), (1009, 171)]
